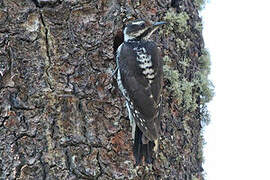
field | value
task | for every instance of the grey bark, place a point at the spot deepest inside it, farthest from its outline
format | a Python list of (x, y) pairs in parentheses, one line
[(62, 116)]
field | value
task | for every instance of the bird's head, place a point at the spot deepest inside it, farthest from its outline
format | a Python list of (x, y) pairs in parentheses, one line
[(140, 29)]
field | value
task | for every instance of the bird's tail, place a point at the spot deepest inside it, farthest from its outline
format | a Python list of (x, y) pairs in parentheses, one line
[(142, 150)]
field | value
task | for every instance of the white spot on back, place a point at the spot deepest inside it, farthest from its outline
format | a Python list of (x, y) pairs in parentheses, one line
[(145, 62), (150, 76), (148, 71)]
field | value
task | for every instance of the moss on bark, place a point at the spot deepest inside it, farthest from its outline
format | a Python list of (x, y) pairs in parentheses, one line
[(62, 116)]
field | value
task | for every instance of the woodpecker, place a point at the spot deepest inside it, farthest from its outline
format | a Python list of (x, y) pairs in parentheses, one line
[(140, 79)]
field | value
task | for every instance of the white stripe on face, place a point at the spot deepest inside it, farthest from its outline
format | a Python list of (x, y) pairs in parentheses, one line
[(138, 22)]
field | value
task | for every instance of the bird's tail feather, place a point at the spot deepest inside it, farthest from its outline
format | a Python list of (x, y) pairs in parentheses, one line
[(142, 150)]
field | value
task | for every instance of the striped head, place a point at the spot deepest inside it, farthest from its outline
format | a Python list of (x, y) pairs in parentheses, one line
[(140, 29)]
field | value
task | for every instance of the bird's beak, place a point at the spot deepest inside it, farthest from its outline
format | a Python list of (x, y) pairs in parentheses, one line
[(153, 28), (159, 23)]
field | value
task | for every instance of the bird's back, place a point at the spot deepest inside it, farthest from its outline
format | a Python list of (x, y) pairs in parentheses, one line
[(140, 70)]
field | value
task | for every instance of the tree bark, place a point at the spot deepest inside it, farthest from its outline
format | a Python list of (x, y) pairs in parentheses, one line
[(62, 115)]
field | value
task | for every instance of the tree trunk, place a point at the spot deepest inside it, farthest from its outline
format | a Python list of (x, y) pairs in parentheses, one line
[(62, 115)]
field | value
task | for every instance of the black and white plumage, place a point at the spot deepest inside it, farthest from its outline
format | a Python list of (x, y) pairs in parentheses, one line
[(140, 79)]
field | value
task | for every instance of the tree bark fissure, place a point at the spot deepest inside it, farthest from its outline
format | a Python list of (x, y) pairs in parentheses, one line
[(61, 114), (49, 62)]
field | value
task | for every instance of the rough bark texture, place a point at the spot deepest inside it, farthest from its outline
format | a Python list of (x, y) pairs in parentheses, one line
[(63, 117)]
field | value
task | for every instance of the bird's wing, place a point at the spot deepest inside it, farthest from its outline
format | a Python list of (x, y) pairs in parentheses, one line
[(143, 97)]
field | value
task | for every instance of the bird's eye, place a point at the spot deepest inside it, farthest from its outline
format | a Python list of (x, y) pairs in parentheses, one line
[(143, 25)]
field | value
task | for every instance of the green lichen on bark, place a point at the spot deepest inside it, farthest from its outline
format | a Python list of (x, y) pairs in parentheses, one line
[(186, 89), (200, 4), (187, 75), (61, 116), (175, 21)]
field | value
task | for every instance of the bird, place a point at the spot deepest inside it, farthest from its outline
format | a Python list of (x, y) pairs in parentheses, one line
[(140, 79)]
